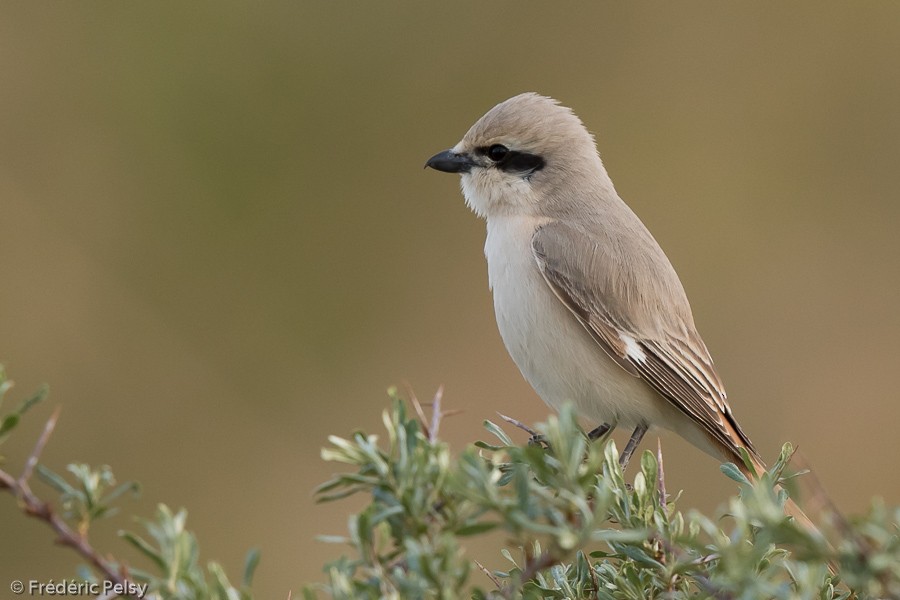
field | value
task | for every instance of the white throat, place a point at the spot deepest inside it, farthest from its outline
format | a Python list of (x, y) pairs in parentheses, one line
[(490, 192)]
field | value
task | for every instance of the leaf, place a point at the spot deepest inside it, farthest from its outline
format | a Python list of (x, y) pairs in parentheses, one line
[(638, 555), (5, 384), (386, 513), (145, 548), (38, 396), (732, 472), (55, 481), (8, 423), (250, 564), (621, 535), (220, 580), (129, 486), (308, 594), (333, 539), (486, 446), (11, 420), (476, 528), (748, 462), (497, 432), (349, 491)]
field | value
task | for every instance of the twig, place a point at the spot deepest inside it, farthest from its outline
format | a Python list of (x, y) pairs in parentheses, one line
[(423, 420), (7, 481), (661, 474), (490, 575), (432, 426), (35, 507), (519, 424), (595, 582), (436, 414), (32, 461)]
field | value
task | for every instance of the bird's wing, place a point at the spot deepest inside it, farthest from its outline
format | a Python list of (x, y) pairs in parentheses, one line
[(644, 323)]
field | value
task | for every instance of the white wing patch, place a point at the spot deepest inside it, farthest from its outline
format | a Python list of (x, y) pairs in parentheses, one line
[(632, 349)]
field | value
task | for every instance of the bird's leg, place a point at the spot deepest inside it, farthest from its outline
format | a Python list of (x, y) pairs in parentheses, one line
[(599, 431), (632, 444)]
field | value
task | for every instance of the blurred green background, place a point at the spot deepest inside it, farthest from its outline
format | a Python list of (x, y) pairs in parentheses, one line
[(218, 243)]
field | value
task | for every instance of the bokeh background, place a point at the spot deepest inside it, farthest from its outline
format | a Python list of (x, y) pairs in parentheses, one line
[(218, 244)]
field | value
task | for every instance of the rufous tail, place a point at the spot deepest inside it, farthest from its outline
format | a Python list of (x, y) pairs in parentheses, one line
[(791, 508)]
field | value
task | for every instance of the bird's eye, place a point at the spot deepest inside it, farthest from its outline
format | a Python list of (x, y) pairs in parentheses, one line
[(497, 152)]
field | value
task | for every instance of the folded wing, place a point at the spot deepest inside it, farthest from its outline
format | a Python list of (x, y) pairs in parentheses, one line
[(640, 316)]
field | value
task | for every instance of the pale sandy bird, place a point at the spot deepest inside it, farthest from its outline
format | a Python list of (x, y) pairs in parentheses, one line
[(587, 304)]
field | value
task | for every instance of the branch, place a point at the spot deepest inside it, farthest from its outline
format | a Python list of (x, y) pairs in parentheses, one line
[(35, 507)]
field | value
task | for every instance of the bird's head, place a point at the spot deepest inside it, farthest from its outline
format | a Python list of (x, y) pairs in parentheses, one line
[(520, 156)]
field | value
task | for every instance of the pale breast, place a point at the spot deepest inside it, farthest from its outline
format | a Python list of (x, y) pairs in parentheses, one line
[(555, 354)]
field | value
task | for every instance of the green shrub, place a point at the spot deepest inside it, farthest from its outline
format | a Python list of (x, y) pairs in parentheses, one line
[(576, 527)]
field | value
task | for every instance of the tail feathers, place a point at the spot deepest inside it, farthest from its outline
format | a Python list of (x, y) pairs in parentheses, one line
[(791, 508)]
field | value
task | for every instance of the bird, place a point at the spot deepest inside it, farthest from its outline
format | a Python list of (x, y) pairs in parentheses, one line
[(588, 305)]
